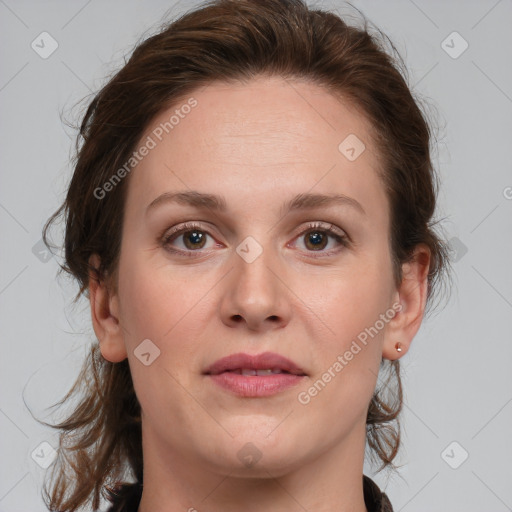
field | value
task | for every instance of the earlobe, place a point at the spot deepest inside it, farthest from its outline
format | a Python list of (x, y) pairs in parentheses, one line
[(412, 295), (104, 314)]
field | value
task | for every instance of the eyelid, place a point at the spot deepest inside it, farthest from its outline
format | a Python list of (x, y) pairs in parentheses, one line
[(322, 226), (185, 226)]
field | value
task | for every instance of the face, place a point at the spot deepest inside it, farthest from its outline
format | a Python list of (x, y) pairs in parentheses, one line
[(266, 273)]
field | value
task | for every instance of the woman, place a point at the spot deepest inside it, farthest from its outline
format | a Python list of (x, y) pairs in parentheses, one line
[(251, 219)]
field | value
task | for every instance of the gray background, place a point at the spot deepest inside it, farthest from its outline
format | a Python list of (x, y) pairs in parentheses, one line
[(457, 374)]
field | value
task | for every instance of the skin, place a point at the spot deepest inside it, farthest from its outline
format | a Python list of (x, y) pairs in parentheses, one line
[(257, 144)]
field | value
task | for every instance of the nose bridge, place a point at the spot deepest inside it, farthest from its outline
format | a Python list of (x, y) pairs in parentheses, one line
[(253, 275), (255, 293)]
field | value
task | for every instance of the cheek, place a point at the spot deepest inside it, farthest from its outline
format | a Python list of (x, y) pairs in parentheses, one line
[(349, 305), (152, 298), (145, 304), (166, 306), (347, 370), (349, 300)]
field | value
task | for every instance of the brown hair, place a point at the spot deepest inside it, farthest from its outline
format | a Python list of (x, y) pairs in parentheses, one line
[(100, 442)]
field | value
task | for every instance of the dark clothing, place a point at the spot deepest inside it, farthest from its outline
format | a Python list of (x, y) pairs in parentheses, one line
[(126, 498)]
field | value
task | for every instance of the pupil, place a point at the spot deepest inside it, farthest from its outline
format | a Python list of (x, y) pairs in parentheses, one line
[(314, 237), (317, 239), (195, 237)]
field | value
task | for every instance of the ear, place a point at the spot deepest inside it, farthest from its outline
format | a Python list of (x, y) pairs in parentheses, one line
[(104, 312), (412, 296)]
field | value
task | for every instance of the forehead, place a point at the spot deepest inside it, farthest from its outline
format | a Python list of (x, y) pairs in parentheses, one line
[(257, 139)]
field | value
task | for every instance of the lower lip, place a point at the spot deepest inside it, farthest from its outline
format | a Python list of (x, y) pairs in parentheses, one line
[(256, 385)]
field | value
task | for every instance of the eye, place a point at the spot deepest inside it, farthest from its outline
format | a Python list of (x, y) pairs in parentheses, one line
[(192, 237), (316, 237)]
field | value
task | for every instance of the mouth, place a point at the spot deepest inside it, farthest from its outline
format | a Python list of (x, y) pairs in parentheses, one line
[(265, 364), (255, 376), (259, 373)]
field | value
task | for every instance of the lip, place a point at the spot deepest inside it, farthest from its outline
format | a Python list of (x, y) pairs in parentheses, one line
[(257, 362), (222, 373)]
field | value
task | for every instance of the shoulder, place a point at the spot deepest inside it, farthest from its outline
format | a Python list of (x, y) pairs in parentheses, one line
[(125, 497), (374, 499)]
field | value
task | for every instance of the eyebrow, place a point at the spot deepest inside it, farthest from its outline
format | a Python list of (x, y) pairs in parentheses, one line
[(218, 203)]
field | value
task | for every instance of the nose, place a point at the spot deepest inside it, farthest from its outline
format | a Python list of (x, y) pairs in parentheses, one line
[(256, 294)]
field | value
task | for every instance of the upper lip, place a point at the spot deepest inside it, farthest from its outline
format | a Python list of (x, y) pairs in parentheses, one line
[(256, 362)]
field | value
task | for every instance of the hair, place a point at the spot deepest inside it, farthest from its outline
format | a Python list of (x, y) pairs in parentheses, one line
[(228, 40)]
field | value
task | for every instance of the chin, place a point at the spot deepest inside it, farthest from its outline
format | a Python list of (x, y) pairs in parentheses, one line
[(251, 461), (259, 445)]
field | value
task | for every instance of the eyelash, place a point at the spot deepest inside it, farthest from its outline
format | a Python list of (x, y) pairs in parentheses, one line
[(320, 227)]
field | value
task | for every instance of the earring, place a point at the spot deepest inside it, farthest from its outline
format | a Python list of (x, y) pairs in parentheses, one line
[(398, 347)]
